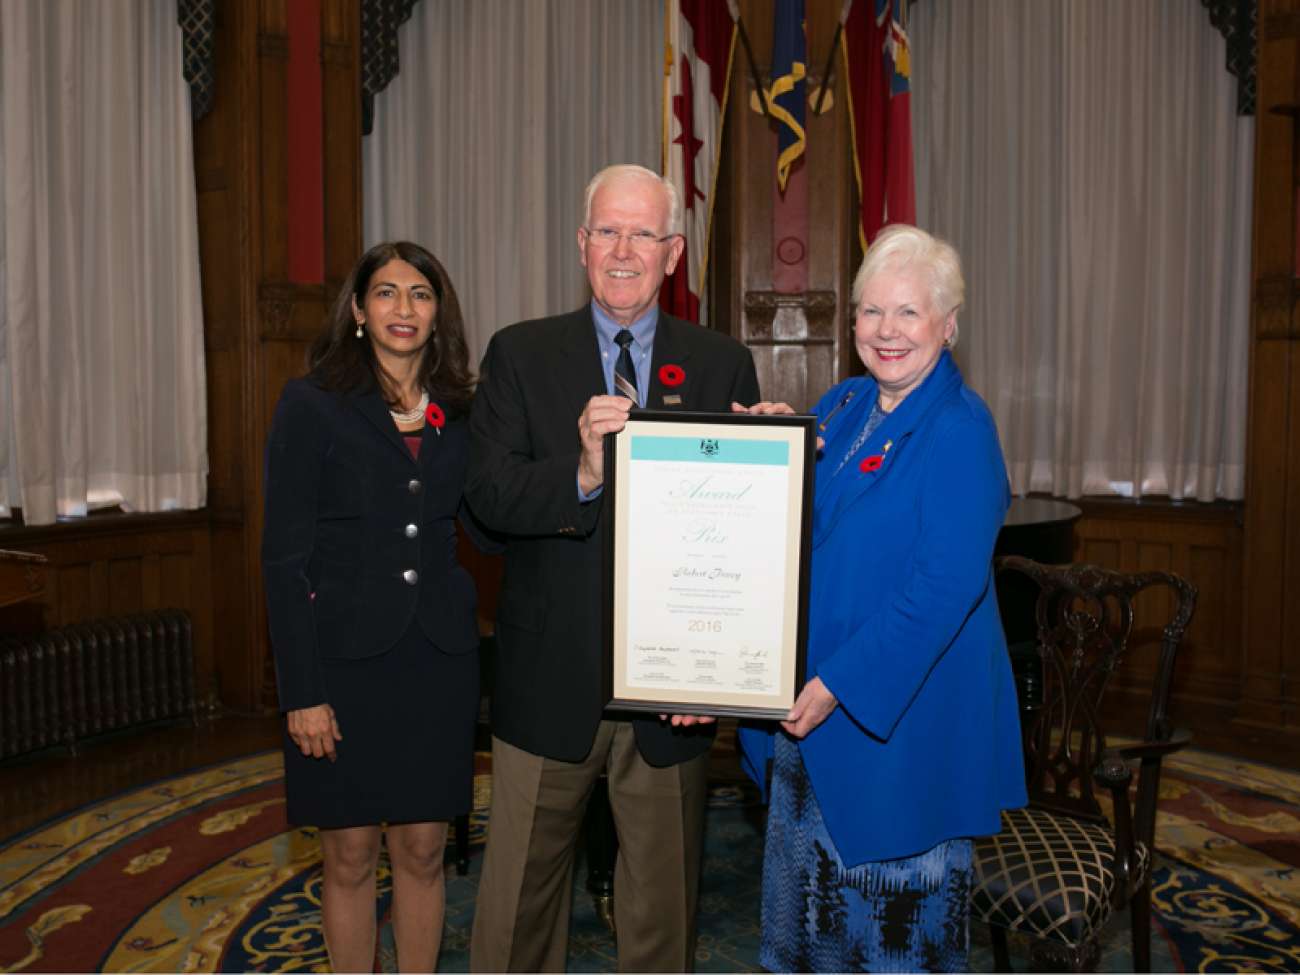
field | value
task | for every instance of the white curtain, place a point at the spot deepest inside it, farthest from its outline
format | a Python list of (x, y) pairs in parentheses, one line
[(101, 338), (485, 140), (1086, 160)]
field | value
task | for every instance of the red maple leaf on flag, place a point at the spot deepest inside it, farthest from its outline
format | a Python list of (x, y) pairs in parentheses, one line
[(690, 144)]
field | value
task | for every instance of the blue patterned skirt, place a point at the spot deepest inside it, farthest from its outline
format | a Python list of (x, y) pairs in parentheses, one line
[(905, 915)]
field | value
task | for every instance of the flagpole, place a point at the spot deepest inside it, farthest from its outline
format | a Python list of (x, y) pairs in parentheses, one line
[(830, 56), (734, 7), (668, 88)]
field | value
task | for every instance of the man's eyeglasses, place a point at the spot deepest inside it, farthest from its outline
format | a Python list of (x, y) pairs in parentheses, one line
[(641, 240)]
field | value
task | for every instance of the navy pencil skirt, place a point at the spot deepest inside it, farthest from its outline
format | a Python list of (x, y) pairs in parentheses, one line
[(407, 756)]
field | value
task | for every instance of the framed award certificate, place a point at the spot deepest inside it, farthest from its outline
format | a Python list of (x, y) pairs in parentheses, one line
[(707, 557)]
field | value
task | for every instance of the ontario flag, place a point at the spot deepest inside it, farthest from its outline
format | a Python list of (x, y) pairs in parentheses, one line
[(878, 64), (700, 36), (789, 92)]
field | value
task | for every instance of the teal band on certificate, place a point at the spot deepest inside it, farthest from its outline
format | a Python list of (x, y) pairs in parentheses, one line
[(775, 453)]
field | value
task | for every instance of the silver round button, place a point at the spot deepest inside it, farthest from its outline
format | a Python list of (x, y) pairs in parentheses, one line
[(412, 530), (414, 486), (411, 577)]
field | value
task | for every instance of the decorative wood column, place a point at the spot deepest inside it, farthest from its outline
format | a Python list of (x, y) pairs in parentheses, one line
[(1270, 673), (798, 340), (258, 323)]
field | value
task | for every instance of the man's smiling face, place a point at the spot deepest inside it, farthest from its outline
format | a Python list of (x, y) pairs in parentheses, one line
[(625, 277)]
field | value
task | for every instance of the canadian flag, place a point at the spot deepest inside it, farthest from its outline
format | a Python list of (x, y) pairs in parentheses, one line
[(700, 36)]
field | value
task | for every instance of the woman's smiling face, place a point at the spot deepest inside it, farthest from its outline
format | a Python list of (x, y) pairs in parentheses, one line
[(898, 333), (399, 311)]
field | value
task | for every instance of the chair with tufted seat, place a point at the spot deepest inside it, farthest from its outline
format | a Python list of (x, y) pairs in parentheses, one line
[(1060, 867)]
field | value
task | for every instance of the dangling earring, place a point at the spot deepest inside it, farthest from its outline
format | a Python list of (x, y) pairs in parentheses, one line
[(360, 330)]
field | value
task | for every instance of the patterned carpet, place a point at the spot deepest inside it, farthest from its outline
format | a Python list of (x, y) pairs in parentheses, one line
[(200, 874)]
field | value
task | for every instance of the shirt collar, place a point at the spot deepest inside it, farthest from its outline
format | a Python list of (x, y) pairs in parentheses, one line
[(643, 329)]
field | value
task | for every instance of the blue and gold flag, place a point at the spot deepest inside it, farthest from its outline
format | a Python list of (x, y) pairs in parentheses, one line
[(788, 98)]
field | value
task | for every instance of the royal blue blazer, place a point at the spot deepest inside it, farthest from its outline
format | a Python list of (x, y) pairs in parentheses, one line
[(903, 625)]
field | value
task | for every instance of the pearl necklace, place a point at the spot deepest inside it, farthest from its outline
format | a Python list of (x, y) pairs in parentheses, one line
[(415, 413)]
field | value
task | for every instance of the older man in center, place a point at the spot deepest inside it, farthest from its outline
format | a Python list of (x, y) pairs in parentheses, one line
[(551, 389)]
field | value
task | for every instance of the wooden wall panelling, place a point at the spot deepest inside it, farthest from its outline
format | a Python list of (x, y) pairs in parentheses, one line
[(227, 147), (797, 339), (257, 324), (1271, 577), (1203, 544), (114, 565), (341, 138), (292, 314)]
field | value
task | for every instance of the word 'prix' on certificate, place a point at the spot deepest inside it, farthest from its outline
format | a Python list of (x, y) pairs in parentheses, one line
[(709, 562)]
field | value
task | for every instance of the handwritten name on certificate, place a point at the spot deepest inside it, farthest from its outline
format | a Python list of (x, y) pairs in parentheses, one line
[(706, 601)]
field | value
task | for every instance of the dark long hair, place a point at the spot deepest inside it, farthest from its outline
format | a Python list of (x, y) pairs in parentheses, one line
[(341, 362)]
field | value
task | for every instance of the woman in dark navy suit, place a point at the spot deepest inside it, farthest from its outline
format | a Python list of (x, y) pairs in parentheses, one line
[(372, 619)]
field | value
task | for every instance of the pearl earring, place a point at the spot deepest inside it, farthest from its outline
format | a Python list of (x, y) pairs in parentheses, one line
[(360, 330)]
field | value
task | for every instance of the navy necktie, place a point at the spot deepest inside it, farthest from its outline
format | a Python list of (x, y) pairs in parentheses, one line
[(624, 371)]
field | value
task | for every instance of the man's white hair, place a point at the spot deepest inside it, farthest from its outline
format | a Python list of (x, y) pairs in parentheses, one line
[(628, 173)]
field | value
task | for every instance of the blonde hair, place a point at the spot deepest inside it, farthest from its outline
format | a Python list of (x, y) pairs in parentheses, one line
[(900, 245)]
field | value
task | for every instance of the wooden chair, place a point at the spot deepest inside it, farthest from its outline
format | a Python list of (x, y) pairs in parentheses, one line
[(1059, 868)]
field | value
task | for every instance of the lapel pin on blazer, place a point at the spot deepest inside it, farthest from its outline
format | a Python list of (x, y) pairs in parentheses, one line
[(874, 462), (672, 376), (434, 416), (838, 406)]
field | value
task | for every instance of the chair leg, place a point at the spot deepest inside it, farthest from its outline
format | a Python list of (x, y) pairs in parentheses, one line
[(1139, 912), (1001, 956), (1052, 956)]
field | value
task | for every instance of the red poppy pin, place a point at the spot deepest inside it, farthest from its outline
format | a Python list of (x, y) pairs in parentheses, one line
[(871, 463), (671, 375), (435, 417)]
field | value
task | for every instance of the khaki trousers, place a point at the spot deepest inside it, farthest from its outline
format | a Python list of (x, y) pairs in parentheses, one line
[(521, 921)]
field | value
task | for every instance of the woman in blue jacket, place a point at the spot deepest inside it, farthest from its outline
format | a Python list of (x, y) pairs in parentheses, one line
[(905, 742)]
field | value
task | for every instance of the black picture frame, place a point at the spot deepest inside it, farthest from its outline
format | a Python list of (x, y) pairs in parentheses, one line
[(798, 431)]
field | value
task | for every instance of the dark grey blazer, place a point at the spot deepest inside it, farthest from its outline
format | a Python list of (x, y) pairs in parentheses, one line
[(352, 517), (536, 378)]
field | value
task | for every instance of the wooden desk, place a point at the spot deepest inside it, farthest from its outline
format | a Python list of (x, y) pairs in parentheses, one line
[(22, 577), (1041, 529)]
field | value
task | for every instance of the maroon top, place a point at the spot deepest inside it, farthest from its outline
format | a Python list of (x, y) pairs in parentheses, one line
[(412, 444)]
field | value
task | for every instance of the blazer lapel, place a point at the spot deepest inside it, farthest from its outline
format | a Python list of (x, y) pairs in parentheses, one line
[(870, 465), (577, 361), (371, 405), (670, 374)]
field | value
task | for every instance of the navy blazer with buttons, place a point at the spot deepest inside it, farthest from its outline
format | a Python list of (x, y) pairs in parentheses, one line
[(354, 519)]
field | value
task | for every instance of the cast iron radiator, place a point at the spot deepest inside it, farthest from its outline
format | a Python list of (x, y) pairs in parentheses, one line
[(62, 686)]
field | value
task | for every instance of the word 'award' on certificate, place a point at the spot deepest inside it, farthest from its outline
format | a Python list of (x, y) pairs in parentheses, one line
[(707, 574)]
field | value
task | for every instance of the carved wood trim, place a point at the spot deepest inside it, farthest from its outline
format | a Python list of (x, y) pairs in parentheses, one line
[(820, 311), (818, 307)]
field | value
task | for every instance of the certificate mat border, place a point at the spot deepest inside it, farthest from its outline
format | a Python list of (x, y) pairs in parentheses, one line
[(705, 425)]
